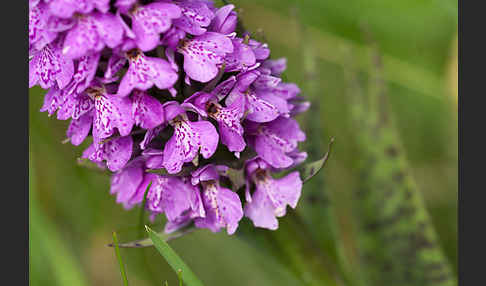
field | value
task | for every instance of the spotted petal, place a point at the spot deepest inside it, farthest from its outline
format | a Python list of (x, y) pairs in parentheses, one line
[(50, 68), (203, 54), (151, 20), (144, 72)]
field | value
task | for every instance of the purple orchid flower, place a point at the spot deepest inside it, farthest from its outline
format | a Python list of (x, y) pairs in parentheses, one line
[(116, 152), (196, 16), (223, 206), (224, 20), (145, 72), (41, 31), (241, 59), (126, 182), (260, 106), (189, 139), (150, 20), (273, 140), (147, 111), (204, 54), (49, 68), (172, 196), (85, 73), (92, 33), (67, 8), (228, 118), (271, 196)]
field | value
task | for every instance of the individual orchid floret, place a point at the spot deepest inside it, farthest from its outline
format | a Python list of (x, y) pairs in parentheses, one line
[(203, 55), (147, 111), (224, 20), (271, 196), (196, 16), (241, 59), (273, 140), (110, 112), (189, 138), (260, 106), (223, 206), (92, 33), (261, 50), (41, 30), (126, 182), (172, 196), (228, 118), (85, 73), (49, 68), (67, 8), (116, 152), (145, 72), (276, 67), (150, 20)]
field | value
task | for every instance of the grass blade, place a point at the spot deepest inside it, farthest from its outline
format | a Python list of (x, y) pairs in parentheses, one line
[(173, 259), (118, 257)]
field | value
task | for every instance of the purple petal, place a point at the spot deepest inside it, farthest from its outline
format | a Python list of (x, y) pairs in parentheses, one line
[(224, 88), (195, 16), (49, 68), (125, 183), (147, 111), (277, 67), (223, 209), (224, 21), (151, 20), (206, 137), (144, 72), (203, 54), (261, 211), (229, 120), (117, 152), (66, 8), (79, 128), (260, 110), (112, 112), (241, 58)]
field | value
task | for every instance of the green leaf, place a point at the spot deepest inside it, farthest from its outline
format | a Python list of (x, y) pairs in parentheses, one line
[(147, 242), (311, 169), (120, 261), (173, 259)]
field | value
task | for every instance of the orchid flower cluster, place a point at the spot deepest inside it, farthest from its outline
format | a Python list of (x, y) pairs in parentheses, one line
[(176, 102)]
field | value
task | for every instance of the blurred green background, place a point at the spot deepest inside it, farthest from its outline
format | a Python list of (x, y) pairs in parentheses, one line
[(72, 214)]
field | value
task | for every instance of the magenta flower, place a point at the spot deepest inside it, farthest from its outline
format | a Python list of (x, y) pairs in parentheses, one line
[(224, 20), (196, 16), (228, 118), (116, 152), (49, 68), (172, 93), (145, 72), (92, 33), (271, 196), (67, 8), (150, 20), (203, 55), (273, 140), (223, 206), (189, 139)]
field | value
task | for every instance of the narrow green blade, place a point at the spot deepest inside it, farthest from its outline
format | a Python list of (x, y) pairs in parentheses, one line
[(120, 261), (173, 259)]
